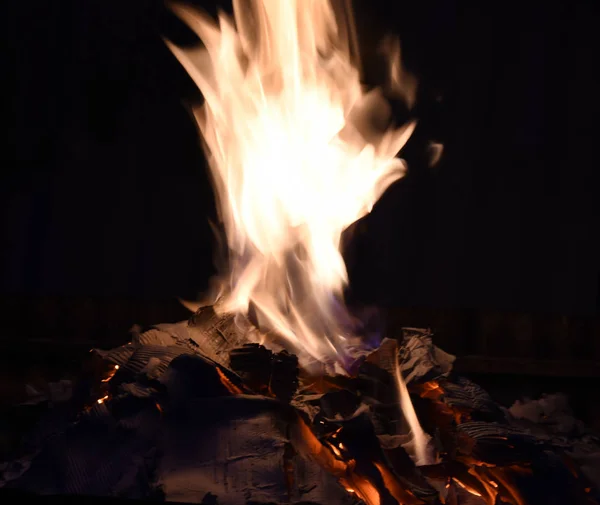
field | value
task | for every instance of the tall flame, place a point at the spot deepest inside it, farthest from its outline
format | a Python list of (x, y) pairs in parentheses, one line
[(298, 152)]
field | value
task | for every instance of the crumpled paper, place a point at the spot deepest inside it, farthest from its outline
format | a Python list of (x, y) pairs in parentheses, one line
[(420, 359)]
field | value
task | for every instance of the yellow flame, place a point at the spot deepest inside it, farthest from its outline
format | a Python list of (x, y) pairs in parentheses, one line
[(335, 450), (298, 151), (420, 438)]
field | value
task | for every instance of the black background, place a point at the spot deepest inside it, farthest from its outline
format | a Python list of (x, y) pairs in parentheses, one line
[(105, 190)]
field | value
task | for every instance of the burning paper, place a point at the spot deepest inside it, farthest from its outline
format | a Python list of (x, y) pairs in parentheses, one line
[(298, 152)]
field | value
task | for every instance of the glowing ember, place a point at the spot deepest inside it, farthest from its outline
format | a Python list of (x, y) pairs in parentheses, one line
[(231, 387), (464, 486), (111, 375), (298, 152)]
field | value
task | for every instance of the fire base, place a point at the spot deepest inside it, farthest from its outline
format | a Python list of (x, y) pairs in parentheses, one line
[(193, 412)]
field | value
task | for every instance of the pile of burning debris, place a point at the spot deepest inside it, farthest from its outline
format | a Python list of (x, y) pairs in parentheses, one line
[(194, 412), (200, 411)]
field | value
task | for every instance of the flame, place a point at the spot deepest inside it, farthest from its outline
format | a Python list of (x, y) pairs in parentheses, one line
[(401, 495), (420, 438), (468, 488), (298, 151)]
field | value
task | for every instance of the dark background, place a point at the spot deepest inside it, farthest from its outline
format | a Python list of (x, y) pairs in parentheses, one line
[(105, 191), (105, 196)]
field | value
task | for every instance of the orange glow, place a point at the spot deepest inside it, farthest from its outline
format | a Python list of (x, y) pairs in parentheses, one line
[(335, 450), (103, 399), (298, 152), (508, 487), (111, 375), (367, 492), (467, 488), (231, 387), (431, 390), (307, 442), (345, 470), (401, 495), (357, 484)]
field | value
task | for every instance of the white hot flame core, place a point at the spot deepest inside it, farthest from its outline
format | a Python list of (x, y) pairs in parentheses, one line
[(420, 453), (298, 152)]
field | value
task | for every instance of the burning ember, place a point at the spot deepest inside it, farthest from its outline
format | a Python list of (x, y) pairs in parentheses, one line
[(298, 152)]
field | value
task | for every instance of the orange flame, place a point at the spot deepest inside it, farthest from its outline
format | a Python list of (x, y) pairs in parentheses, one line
[(298, 152), (468, 488)]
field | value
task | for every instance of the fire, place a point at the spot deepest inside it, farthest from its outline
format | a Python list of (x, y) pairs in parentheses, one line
[(468, 488), (231, 387), (111, 374), (298, 152), (420, 438)]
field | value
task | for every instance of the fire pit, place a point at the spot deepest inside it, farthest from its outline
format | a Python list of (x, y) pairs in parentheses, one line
[(275, 392)]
